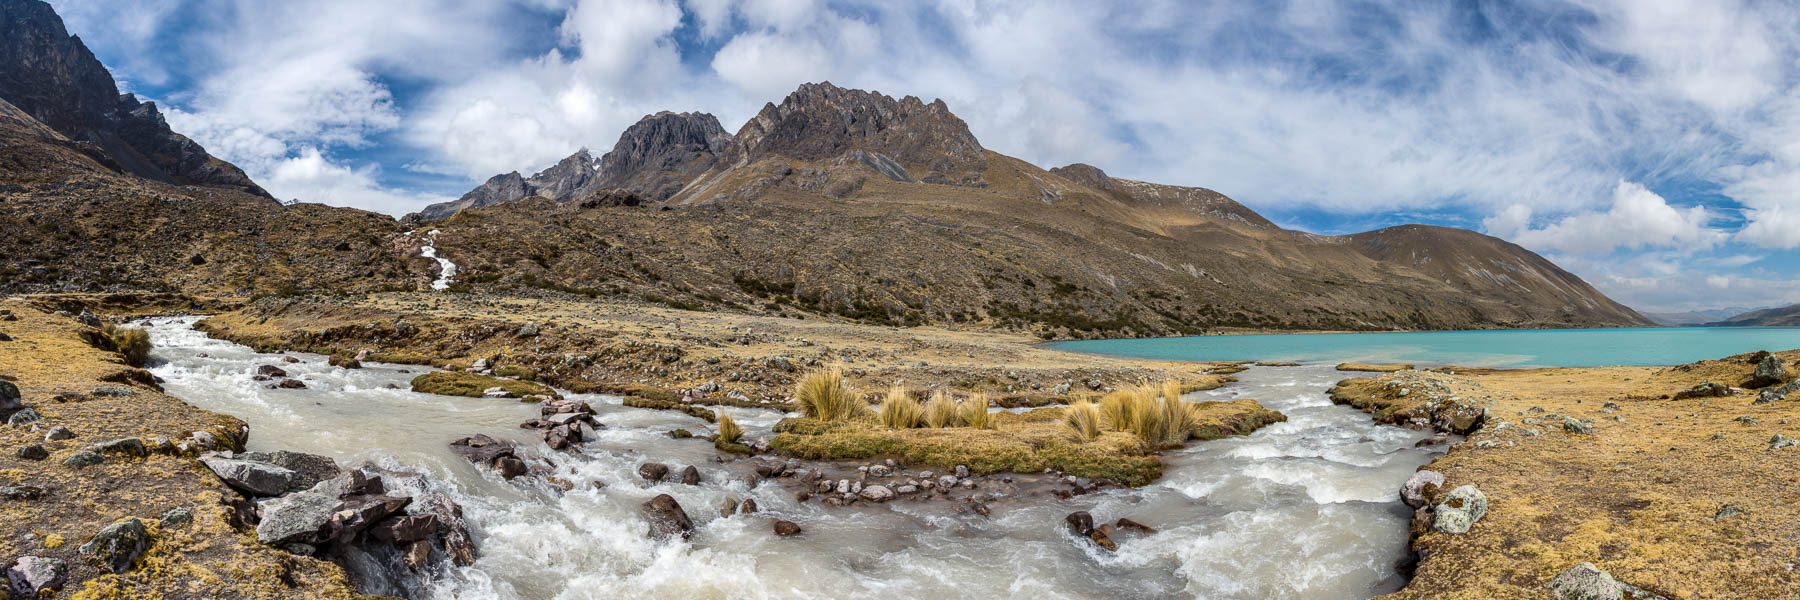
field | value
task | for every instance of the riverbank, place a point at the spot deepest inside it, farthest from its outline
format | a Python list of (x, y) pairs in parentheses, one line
[(1683, 498), (65, 477), (670, 355)]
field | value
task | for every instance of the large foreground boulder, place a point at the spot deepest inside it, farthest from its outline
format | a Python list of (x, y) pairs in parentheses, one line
[(1585, 582), (252, 477), (296, 518), (33, 574), (1769, 371), (309, 469), (1459, 511), (1417, 490)]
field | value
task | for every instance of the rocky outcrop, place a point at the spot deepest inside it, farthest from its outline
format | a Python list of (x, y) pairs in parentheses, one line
[(661, 153), (52, 76), (821, 121)]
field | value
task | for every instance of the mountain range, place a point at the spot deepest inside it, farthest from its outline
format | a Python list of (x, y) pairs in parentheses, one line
[(1784, 316), (834, 202)]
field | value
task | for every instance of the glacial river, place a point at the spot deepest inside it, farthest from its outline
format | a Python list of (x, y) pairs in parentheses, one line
[(1494, 348), (1302, 509)]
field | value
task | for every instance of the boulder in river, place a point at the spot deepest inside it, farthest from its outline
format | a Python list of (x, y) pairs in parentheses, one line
[(33, 574), (486, 451), (289, 384), (252, 477), (786, 528), (1415, 492), (876, 493), (1080, 523), (690, 475), (666, 517), (653, 472), (118, 544), (270, 371)]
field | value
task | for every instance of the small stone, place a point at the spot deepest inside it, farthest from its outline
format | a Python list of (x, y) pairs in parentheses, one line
[(118, 544), (1414, 492), (1577, 426), (748, 507), (33, 574), (1781, 441), (877, 493), (1585, 582), (653, 472), (33, 452), (690, 475), (83, 459), (1727, 511), (177, 517), (962, 471), (59, 433), (25, 416), (1080, 523)]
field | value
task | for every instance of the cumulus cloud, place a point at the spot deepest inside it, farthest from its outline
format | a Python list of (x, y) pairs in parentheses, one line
[(310, 177), (1638, 219)]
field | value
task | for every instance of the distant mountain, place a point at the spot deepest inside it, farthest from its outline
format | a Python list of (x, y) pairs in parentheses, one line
[(856, 204), (1697, 317), (51, 75), (1786, 316), (652, 160)]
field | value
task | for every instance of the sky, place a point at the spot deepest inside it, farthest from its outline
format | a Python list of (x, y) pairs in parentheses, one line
[(1650, 146)]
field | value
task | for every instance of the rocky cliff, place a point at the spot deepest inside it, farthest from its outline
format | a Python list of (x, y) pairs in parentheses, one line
[(52, 76)]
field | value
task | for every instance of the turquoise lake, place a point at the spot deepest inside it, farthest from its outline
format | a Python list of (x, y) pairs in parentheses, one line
[(1500, 348)]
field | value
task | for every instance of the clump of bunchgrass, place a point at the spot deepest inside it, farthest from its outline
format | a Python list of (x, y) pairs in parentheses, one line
[(1120, 408), (824, 395), (1162, 419), (1084, 418), (729, 432), (132, 342), (940, 411), (899, 410), (973, 412)]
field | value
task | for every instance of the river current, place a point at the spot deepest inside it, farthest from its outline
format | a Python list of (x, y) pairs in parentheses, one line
[(1302, 509)]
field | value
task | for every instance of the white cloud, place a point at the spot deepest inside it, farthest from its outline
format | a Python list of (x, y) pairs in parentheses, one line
[(1638, 219), (311, 177)]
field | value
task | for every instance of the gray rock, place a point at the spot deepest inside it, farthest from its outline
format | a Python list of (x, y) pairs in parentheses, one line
[(83, 459), (296, 517), (880, 471), (1451, 520), (24, 416), (20, 492), (33, 574), (34, 452), (527, 330), (496, 392), (309, 469), (1413, 491), (125, 446), (1061, 389), (947, 481), (962, 471), (177, 517), (877, 493), (667, 518), (118, 544), (252, 477), (1769, 371), (1704, 390), (1781, 441), (690, 475), (9, 397), (1577, 426), (113, 391), (1468, 498), (1585, 582)]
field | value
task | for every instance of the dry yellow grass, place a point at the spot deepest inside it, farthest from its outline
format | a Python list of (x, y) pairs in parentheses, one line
[(1640, 497), (899, 410), (824, 395), (973, 412), (729, 432), (940, 411), (1083, 418)]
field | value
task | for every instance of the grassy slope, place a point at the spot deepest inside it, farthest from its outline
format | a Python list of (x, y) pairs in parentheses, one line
[(208, 559), (1638, 497)]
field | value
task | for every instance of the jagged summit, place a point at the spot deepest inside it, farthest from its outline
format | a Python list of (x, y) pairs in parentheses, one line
[(52, 76), (821, 121)]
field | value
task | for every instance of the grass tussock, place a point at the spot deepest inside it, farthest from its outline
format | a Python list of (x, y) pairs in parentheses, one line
[(973, 412), (1084, 419), (448, 383), (940, 411), (729, 432), (1163, 419), (132, 342), (824, 395), (899, 410)]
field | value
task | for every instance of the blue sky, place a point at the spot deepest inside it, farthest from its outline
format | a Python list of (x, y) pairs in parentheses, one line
[(1650, 146)]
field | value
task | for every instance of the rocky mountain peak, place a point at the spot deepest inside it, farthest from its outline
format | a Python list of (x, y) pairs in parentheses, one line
[(821, 121), (1086, 174), (52, 76), (660, 153)]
